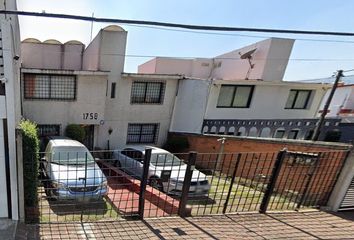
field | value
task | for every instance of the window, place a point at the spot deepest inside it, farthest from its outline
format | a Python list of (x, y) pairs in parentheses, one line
[(48, 130), (235, 96), (293, 134), (55, 87), (147, 92), (298, 99), (279, 133), (142, 133), (113, 90)]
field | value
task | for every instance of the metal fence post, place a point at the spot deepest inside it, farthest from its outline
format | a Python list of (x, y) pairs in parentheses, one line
[(187, 183), (232, 182), (143, 183), (273, 180)]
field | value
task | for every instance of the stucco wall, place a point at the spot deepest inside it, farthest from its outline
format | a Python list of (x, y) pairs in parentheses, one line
[(190, 106), (268, 102), (120, 112), (90, 98), (343, 98)]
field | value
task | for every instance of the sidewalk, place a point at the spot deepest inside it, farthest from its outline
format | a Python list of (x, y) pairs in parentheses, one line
[(289, 225)]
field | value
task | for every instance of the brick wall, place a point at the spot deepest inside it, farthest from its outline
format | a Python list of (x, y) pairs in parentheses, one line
[(258, 158)]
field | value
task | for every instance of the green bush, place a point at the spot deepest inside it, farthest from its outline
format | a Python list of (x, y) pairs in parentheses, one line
[(176, 144), (76, 132), (30, 149)]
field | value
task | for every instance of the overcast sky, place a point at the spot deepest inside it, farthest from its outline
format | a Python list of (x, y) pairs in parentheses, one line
[(326, 15)]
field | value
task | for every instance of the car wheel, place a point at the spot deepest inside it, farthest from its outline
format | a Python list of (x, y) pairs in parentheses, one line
[(155, 183)]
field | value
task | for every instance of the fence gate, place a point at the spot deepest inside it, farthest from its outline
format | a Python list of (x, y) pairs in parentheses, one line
[(95, 186)]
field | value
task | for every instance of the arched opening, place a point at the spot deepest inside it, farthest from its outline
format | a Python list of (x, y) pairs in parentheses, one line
[(222, 130), (241, 131), (205, 129), (253, 132), (265, 132), (231, 131), (213, 130)]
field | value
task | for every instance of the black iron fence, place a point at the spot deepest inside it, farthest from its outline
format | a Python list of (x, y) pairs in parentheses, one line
[(109, 185)]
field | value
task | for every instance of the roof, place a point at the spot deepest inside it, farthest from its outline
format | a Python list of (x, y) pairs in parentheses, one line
[(143, 147), (66, 143), (152, 76)]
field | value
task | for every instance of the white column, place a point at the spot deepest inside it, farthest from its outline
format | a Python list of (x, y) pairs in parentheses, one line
[(3, 187), (11, 96)]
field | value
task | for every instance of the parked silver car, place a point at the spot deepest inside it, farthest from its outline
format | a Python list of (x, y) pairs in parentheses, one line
[(166, 171), (71, 171)]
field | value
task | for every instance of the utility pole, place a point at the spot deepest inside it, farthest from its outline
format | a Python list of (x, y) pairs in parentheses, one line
[(318, 128)]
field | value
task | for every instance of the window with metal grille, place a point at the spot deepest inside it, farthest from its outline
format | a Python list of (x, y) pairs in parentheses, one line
[(142, 132), (235, 96), (48, 130), (147, 92), (298, 99), (49, 87)]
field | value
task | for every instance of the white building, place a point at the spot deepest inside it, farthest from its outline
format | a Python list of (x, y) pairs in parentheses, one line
[(68, 83), (242, 93), (10, 111)]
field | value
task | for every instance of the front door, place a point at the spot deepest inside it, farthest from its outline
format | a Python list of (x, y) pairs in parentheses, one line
[(89, 136)]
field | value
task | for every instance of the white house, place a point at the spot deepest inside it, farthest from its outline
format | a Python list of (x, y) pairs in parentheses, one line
[(10, 111), (242, 93), (68, 83)]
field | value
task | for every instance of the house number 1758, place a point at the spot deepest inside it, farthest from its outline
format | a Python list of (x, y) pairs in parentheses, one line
[(90, 116)]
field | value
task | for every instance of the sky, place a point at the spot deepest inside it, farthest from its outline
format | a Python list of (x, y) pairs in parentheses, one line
[(309, 59)]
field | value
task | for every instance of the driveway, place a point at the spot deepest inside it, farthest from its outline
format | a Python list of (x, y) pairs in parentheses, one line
[(285, 225)]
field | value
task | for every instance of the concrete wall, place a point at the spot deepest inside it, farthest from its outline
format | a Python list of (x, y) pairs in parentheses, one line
[(190, 106), (120, 112), (265, 104), (269, 60), (90, 98), (52, 55)]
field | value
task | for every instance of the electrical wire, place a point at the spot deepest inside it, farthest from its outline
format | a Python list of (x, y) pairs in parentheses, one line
[(174, 25), (35, 53)]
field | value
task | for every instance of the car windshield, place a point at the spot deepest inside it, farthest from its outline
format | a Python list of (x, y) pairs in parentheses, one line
[(165, 159), (71, 156)]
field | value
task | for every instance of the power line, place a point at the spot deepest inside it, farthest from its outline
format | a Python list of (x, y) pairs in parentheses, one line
[(173, 25), (198, 57), (235, 35)]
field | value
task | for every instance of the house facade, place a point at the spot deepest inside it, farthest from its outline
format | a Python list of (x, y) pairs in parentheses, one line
[(69, 84), (10, 112), (244, 96)]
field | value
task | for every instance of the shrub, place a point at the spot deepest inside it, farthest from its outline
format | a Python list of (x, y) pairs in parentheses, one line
[(30, 149), (76, 132), (176, 144)]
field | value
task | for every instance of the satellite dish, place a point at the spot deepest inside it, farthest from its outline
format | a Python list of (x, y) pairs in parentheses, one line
[(248, 54)]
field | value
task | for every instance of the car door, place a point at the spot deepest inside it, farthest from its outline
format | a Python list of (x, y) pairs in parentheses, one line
[(138, 163)]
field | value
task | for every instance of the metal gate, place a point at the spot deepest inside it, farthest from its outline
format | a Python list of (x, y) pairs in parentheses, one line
[(348, 200)]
